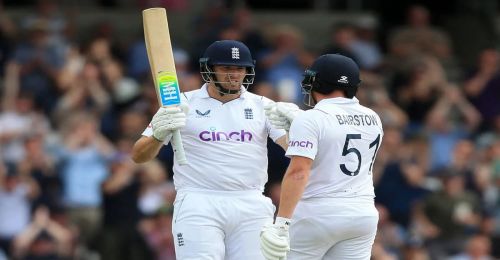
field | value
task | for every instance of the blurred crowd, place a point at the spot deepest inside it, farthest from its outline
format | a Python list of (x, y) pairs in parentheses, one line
[(71, 111)]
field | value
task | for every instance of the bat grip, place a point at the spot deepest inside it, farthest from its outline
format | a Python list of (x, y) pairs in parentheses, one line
[(180, 156)]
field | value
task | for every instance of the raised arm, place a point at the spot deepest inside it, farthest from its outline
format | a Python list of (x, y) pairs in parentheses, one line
[(165, 121), (145, 149)]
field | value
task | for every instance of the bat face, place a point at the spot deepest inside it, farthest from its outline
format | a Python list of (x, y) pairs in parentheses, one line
[(168, 88), (160, 55), (161, 61)]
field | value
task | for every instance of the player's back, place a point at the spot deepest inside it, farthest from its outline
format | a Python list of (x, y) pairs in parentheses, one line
[(344, 137)]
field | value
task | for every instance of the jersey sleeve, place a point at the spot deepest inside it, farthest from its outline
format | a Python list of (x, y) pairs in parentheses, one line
[(303, 137)]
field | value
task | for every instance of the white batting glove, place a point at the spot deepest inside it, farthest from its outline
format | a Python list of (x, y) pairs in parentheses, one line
[(275, 239), (281, 114), (168, 119)]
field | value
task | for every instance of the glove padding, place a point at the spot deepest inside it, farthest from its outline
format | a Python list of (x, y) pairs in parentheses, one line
[(281, 114), (275, 240), (168, 119)]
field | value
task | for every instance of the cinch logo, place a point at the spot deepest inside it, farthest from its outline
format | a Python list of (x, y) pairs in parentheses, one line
[(305, 144), (212, 136)]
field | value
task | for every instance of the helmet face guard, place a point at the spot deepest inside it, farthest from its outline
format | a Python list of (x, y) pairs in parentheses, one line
[(307, 86), (209, 76), (227, 53)]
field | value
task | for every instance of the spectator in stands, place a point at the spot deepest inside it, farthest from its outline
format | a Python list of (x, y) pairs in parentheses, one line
[(406, 179), (129, 123), (342, 38), (365, 45), (43, 239), (58, 26), (207, 26), (157, 231), (155, 191), (87, 92), (374, 95), (447, 217), (16, 194), (380, 253), (401, 172), (418, 36), (83, 159), (477, 247), (188, 78), (390, 235), (285, 61), (414, 249), (482, 87), (40, 64), (40, 164), (244, 22), (419, 91), (19, 117), (450, 120), (483, 184), (123, 90), (119, 237)]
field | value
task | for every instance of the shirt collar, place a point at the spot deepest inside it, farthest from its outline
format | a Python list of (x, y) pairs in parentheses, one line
[(203, 93), (338, 100)]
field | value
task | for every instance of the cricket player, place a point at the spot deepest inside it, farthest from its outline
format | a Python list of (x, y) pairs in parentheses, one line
[(327, 206), (219, 209)]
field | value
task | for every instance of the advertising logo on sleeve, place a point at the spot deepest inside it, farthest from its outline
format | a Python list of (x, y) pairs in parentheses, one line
[(300, 143), (212, 135)]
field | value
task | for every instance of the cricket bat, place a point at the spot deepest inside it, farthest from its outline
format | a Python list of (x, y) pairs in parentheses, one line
[(161, 61)]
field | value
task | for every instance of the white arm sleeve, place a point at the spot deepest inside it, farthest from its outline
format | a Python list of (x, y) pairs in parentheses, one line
[(303, 137)]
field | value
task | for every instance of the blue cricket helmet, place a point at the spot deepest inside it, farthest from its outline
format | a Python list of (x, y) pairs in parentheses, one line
[(228, 53), (331, 72)]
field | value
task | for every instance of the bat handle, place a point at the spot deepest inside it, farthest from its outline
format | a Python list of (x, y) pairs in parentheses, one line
[(180, 156)]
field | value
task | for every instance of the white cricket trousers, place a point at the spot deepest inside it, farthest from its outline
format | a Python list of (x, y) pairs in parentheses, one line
[(220, 225), (333, 229)]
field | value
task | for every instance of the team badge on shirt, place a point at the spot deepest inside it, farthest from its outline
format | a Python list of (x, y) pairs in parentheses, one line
[(180, 239), (248, 113), (202, 114)]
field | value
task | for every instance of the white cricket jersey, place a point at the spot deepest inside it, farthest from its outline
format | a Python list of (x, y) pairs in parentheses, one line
[(342, 137), (225, 143)]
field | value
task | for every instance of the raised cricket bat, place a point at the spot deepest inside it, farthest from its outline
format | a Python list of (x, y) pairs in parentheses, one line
[(161, 61)]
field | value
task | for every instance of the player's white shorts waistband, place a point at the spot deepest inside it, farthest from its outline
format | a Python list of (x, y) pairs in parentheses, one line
[(227, 193), (358, 199), (355, 206)]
